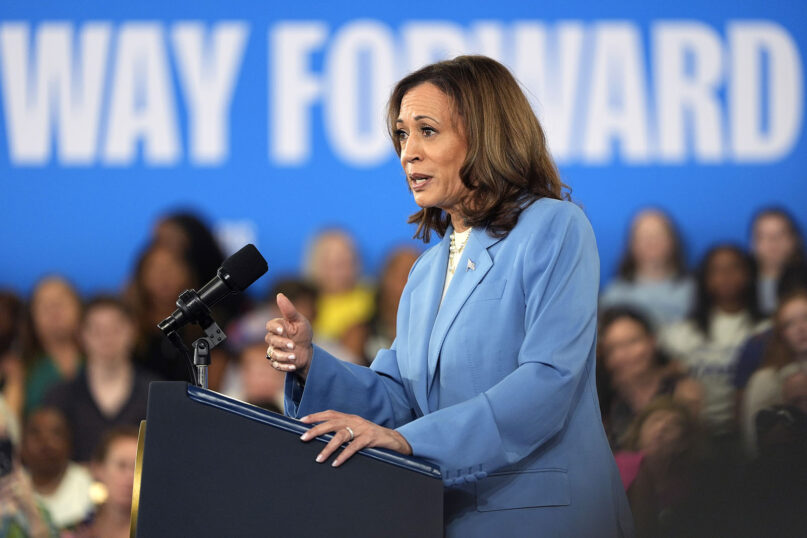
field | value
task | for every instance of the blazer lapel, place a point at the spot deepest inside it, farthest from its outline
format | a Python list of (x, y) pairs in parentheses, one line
[(472, 268), (425, 302)]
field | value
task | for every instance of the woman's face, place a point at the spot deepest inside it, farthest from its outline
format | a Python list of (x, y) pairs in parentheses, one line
[(661, 432), (165, 276), (628, 350), (55, 310), (433, 147), (651, 242), (792, 320), (773, 244), (171, 235), (116, 472), (726, 276), (107, 334), (46, 443), (336, 267)]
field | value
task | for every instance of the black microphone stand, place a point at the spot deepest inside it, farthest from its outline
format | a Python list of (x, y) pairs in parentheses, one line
[(190, 303)]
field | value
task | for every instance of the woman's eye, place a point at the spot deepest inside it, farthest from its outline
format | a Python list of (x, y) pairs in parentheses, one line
[(428, 131), (400, 134)]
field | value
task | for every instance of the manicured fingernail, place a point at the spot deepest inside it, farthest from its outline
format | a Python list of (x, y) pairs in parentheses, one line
[(280, 330), (292, 357), (292, 367), (304, 436), (320, 459), (289, 345), (335, 463)]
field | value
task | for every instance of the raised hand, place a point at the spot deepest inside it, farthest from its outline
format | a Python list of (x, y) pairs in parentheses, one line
[(289, 338)]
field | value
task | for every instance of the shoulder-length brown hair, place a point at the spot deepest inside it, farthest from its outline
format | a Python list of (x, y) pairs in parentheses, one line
[(507, 166), (676, 262)]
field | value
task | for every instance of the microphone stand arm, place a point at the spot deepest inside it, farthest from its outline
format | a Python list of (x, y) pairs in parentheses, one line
[(190, 303)]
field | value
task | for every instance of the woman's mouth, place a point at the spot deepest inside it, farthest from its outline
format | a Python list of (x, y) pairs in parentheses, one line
[(418, 181)]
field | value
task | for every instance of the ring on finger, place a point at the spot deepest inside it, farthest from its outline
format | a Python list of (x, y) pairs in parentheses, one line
[(269, 353), (350, 432)]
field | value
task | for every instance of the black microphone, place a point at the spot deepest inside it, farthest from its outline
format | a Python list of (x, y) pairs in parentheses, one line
[(236, 274)]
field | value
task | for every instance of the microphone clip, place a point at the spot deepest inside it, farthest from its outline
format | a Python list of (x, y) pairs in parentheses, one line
[(194, 309)]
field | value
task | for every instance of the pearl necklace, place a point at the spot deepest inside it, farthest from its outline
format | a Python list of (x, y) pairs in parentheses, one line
[(455, 249)]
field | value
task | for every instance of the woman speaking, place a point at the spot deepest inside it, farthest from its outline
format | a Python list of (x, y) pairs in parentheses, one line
[(491, 375)]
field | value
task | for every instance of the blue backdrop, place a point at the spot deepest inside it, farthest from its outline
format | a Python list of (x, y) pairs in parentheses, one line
[(268, 118)]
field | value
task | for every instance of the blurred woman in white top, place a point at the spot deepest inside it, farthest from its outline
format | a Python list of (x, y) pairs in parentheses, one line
[(725, 314)]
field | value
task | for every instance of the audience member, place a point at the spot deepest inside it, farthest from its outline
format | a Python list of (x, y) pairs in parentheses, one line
[(660, 465), (161, 274), (187, 234), (653, 274), (12, 373), (793, 278), (21, 514), (62, 485), (345, 305), (776, 242), (786, 352), (634, 371), (113, 466), (725, 314), (109, 391), (51, 351), (391, 282)]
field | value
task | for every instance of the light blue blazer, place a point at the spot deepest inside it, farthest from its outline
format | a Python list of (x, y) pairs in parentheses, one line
[(496, 385)]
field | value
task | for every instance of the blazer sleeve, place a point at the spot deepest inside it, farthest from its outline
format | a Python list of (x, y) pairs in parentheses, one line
[(383, 397), (531, 405)]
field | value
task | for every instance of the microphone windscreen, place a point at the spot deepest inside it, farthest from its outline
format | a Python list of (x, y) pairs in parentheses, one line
[(244, 267)]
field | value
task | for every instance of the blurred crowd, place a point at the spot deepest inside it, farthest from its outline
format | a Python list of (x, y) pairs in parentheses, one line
[(702, 372)]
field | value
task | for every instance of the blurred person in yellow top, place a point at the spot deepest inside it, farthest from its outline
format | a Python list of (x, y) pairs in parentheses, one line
[(345, 305)]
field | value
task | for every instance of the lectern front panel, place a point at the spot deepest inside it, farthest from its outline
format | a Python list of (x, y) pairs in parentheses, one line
[(213, 466)]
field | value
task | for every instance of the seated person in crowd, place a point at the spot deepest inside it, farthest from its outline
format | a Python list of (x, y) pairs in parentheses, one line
[(62, 485), (51, 350), (161, 274), (345, 304), (786, 353), (113, 465), (109, 391), (659, 465), (752, 352), (633, 371), (776, 242), (652, 274), (725, 314), (21, 513)]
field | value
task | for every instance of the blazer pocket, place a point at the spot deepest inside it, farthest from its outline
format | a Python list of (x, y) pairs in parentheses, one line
[(488, 291), (525, 489)]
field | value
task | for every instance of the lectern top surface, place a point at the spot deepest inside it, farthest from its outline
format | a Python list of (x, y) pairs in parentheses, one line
[(215, 399)]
